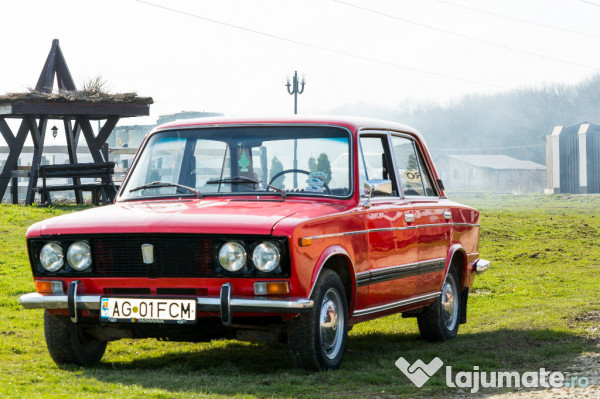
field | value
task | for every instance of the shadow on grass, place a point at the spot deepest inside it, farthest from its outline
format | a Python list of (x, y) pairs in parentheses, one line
[(230, 367)]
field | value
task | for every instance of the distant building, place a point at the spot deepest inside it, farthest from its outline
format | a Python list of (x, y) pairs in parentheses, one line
[(128, 136), (573, 159), (185, 115), (132, 136), (491, 173)]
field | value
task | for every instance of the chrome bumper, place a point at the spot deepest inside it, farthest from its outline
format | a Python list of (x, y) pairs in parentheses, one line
[(226, 304), (207, 304), (481, 266)]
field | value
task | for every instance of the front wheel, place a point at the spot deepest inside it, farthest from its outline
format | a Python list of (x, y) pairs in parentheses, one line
[(439, 321), (68, 343), (317, 339)]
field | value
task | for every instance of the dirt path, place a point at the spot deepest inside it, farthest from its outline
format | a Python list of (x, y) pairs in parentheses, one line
[(583, 366)]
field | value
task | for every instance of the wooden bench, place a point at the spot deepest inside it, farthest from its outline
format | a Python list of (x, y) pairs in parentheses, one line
[(103, 190)]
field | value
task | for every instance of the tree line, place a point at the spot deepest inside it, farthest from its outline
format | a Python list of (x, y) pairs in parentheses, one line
[(513, 123)]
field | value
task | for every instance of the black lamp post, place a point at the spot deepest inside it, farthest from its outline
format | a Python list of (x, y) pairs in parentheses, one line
[(292, 88)]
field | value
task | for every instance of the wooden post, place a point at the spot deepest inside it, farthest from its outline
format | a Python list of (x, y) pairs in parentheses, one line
[(13, 156), (15, 190), (95, 144), (104, 151), (38, 133), (72, 140)]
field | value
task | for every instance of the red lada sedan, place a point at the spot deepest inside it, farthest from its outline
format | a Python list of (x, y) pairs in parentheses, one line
[(259, 229)]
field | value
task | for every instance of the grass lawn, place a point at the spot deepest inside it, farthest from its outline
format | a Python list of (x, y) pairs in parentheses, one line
[(537, 306)]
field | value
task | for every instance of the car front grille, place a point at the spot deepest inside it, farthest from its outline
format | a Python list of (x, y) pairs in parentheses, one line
[(174, 256)]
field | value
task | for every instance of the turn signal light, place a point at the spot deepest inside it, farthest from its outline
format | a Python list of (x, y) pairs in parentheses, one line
[(49, 287), (305, 242), (271, 288)]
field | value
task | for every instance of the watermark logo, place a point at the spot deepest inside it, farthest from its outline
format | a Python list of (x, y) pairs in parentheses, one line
[(419, 372)]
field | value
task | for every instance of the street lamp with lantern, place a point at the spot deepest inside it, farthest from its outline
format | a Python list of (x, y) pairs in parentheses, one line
[(293, 88)]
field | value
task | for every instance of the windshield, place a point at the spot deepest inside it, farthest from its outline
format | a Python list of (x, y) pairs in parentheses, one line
[(256, 160)]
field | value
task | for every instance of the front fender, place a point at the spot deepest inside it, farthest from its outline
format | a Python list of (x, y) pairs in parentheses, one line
[(330, 252)]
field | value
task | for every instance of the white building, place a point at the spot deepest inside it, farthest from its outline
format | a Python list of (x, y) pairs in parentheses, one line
[(491, 173)]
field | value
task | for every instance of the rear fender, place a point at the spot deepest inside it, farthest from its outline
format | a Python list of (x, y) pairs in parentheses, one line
[(457, 250)]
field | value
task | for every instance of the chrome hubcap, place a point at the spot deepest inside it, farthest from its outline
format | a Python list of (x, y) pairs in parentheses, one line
[(450, 302), (332, 325)]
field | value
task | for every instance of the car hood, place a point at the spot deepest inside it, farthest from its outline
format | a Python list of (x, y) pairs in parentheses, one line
[(230, 216)]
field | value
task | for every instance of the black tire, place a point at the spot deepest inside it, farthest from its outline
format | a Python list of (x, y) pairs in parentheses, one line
[(439, 321), (315, 345), (68, 343)]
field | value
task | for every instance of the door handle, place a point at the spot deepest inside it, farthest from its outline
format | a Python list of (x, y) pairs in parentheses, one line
[(409, 217), (447, 215)]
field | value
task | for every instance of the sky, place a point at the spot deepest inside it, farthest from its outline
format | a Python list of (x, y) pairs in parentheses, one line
[(233, 56)]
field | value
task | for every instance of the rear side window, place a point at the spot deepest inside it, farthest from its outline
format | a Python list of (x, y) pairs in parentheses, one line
[(414, 178)]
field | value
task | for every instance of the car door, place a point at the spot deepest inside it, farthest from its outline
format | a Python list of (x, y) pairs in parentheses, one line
[(431, 215), (392, 242)]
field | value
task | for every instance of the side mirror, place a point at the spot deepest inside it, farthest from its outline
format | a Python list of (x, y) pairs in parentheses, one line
[(377, 187), (440, 184)]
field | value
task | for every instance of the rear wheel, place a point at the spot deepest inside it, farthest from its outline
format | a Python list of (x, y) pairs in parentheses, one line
[(317, 339), (69, 343), (439, 321)]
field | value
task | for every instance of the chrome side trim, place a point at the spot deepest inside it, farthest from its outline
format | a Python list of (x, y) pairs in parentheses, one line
[(389, 273), (405, 271), (351, 233), (390, 229), (363, 278), (393, 269), (434, 225), (207, 304), (397, 304), (400, 271), (433, 265)]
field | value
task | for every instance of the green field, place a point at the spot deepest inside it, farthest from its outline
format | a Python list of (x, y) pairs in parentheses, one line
[(537, 306)]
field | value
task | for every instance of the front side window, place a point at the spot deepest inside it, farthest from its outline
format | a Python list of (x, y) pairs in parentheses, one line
[(251, 160), (414, 177), (374, 163)]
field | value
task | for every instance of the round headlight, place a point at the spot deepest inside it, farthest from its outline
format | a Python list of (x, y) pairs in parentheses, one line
[(79, 255), (266, 257), (232, 256), (51, 257)]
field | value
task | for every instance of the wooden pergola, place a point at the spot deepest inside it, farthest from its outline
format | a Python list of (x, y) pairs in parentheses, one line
[(75, 108)]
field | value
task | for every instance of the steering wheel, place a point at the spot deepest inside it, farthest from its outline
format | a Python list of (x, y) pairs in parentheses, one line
[(283, 172)]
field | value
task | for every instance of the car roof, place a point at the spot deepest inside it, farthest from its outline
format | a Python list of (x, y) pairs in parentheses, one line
[(354, 124)]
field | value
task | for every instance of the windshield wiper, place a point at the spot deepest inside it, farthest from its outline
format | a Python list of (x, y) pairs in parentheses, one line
[(157, 184), (244, 179)]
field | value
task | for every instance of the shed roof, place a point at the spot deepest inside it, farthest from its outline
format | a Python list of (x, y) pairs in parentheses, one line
[(497, 162)]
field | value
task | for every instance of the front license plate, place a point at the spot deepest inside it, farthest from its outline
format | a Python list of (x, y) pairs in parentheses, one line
[(148, 310)]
